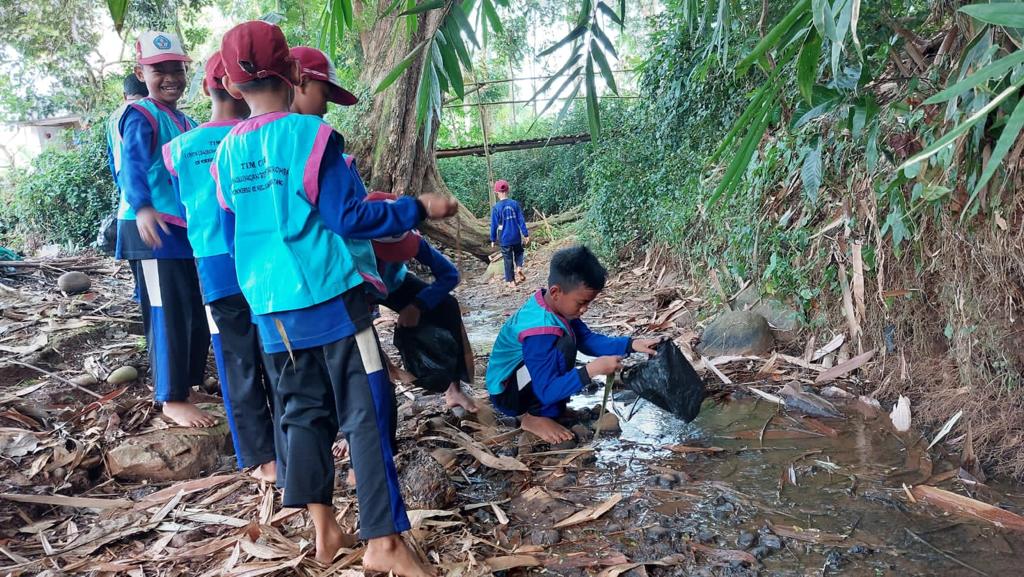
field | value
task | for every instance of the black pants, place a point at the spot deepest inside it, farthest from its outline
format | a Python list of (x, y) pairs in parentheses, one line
[(247, 395), (177, 333), (339, 385), (513, 254), (446, 315)]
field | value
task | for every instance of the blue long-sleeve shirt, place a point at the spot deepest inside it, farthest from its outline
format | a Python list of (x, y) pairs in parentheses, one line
[(554, 381), (342, 210), (137, 152), (508, 225), (446, 276)]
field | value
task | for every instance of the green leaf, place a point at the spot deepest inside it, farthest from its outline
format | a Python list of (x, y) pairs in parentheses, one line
[(554, 97), (609, 13), (400, 68), (842, 28), (871, 151), (391, 8), (602, 63), (117, 10), (963, 127), (571, 36), (824, 20), (346, 7), (993, 70), (568, 64), (455, 40), (807, 66), (584, 15), (1011, 131), (739, 164), (568, 102), (774, 35), (596, 31), (492, 16), (450, 61), (810, 174), (593, 112), (438, 63), (756, 106), (460, 18), (423, 7), (1009, 14)]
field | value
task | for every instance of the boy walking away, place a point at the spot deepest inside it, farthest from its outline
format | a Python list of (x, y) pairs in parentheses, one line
[(151, 231), (289, 201), (417, 302), (247, 396), (532, 371), (508, 228)]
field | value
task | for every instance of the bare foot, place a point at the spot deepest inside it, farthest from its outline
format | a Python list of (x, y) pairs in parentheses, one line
[(329, 536), (520, 275), (186, 414), (511, 285), (340, 449), (456, 397), (392, 554), (265, 472), (545, 428)]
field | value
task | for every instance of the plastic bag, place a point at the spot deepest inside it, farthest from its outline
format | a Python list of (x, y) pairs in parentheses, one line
[(669, 381), (430, 353), (106, 237)]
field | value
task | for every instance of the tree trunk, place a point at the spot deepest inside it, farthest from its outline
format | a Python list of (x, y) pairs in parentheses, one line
[(391, 154)]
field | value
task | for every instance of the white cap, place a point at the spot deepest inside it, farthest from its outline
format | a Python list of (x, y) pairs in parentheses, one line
[(154, 46)]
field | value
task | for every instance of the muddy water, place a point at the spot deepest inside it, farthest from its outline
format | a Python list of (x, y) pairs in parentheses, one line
[(835, 498)]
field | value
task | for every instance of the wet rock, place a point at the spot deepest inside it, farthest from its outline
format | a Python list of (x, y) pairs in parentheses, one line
[(664, 480), (424, 481), (74, 282), (737, 333), (588, 459), (785, 322), (760, 552), (625, 396), (544, 537), (494, 270), (723, 511), (771, 541), (746, 540), (581, 431), (858, 550), (706, 536), (567, 480), (122, 375), (609, 423), (834, 560), (171, 454)]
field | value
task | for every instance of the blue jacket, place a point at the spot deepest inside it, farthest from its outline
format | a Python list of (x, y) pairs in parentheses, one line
[(446, 276), (508, 225)]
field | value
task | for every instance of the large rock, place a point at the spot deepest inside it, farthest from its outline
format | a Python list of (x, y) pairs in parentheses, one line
[(784, 321), (424, 481), (171, 454), (494, 270), (737, 333), (74, 282)]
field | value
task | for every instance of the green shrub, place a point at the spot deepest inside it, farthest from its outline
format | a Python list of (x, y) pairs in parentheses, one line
[(63, 196)]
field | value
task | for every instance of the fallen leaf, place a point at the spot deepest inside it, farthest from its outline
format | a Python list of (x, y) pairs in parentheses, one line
[(845, 367), (185, 487), (955, 503), (418, 516), (836, 342), (723, 556), (499, 463), (589, 513), (946, 428), (506, 562), (64, 501), (806, 535)]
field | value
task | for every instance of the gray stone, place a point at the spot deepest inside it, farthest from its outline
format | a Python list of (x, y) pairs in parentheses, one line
[(544, 537), (771, 541), (746, 540), (171, 454), (760, 552), (122, 375), (737, 333), (705, 536), (74, 282), (747, 298), (785, 322), (494, 270), (608, 423), (424, 481)]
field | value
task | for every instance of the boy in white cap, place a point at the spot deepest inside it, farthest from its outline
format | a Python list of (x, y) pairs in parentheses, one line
[(151, 231)]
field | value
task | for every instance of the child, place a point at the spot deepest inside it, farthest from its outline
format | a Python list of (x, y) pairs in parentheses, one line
[(416, 301), (247, 398), (508, 226), (532, 371), (133, 90), (151, 231), (289, 200)]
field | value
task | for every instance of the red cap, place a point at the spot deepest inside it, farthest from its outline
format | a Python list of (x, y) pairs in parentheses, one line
[(214, 68), (501, 186), (397, 248), (254, 50), (317, 66)]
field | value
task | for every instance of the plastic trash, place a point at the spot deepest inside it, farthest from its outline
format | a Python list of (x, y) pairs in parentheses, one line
[(669, 381), (106, 236), (430, 353)]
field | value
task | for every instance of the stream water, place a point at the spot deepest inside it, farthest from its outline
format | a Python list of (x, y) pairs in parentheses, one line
[(834, 493)]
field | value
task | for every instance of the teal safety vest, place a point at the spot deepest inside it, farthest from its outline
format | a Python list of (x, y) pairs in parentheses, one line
[(533, 318), (267, 170), (188, 157), (114, 140), (165, 127)]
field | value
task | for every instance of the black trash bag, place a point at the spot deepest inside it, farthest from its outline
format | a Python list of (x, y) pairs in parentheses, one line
[(106, 238), (430, 353), (669, 381)]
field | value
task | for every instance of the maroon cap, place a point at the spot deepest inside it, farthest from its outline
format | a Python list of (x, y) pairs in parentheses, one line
[(254, 50), (396, 248), (317, 66), (214, 79), (501, 186)]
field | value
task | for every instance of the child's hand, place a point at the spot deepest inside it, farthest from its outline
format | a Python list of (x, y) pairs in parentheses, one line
[(409, 317), (605, 365), (645, 345), (439, 206), (150, 224), (526, 241)]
